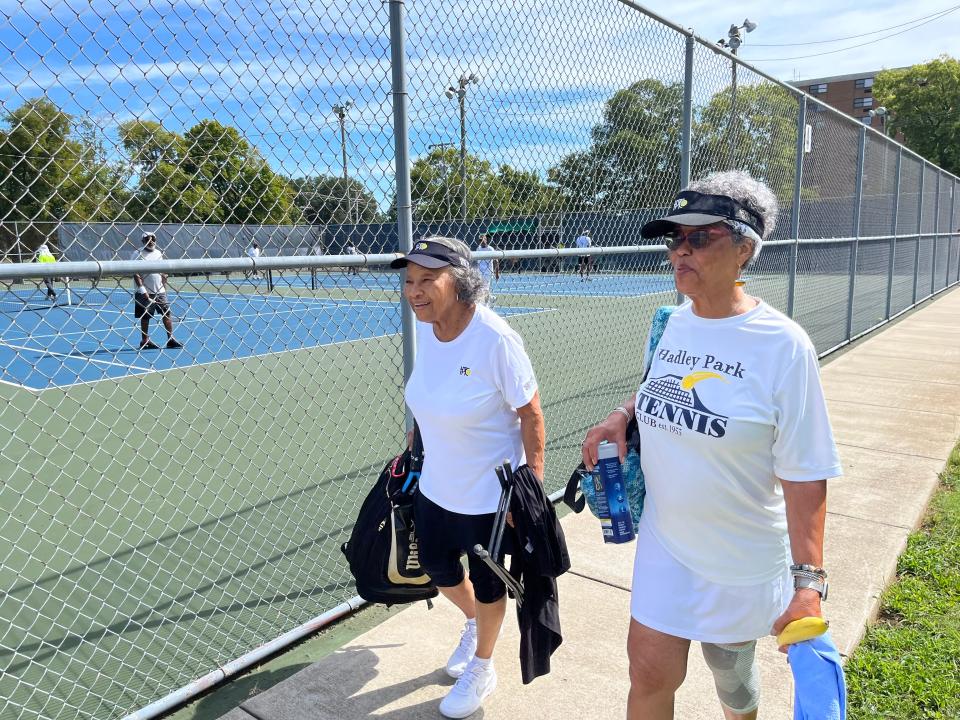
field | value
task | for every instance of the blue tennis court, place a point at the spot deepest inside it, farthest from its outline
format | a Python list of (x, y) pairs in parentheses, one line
[(60, 345)]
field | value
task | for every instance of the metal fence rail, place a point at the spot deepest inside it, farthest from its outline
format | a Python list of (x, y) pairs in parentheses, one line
[(172, 514)]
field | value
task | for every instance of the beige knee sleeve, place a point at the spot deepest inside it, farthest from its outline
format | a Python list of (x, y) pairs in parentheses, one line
[(736, 674)]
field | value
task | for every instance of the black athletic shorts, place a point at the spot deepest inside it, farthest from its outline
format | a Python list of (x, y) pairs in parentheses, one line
[(445, 536), (157, 305)]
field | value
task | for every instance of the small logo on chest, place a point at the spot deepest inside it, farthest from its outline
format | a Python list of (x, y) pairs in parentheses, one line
[(464, 370)]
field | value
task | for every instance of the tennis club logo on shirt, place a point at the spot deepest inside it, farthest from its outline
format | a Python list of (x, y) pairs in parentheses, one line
[(464, 370), (671, 402)]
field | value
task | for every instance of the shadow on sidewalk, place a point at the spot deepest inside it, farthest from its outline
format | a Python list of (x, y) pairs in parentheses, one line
[(332, 689)]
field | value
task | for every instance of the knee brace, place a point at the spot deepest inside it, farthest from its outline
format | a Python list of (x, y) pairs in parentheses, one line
[(736, 674)]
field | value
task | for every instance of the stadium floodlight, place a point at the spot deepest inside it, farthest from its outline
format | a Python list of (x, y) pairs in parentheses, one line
[(749, 25), (882, 113), (460, 93)]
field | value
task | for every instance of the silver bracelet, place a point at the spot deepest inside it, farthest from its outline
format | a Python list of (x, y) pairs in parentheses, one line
[(621, 409)]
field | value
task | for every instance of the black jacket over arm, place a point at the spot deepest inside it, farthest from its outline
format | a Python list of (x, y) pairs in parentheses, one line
[(540, 556)]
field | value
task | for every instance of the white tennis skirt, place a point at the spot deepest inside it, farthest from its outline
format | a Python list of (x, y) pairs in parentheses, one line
[(669, 597)]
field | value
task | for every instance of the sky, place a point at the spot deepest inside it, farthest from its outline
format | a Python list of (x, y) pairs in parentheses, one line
[(274, 69), (821, 20)]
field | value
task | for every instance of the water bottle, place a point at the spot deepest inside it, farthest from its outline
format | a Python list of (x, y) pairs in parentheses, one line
[(613, 506)]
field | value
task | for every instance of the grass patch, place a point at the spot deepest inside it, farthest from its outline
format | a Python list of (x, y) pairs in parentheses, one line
[(908, 665)]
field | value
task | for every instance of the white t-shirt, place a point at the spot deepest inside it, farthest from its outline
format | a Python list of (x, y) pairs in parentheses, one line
[(729, 406), (583, 241), (485, 266), (253, 252), (352, 249), (464, 394), (152, 282)]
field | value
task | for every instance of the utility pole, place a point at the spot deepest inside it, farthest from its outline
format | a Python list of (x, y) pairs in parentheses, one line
[(340, 111)]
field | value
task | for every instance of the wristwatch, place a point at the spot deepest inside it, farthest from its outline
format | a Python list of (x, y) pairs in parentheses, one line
[(810, 576)]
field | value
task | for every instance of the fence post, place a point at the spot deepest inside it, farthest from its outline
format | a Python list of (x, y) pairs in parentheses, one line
[(936, 229), (686, 122), (953, 209), (893, 233), (401, 148), (916, 256), (858, 202), (795, 209)]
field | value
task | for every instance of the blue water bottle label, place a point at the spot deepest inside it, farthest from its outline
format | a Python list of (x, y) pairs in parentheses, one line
[(613, 506)]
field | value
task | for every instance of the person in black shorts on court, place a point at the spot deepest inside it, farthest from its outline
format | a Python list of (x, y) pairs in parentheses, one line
[(150, 297)]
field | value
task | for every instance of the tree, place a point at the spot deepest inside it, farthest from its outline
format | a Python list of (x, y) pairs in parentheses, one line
[(165, 192), (762, 137), (148, 143), (437, 189), (247, 190), (49, 174), (923, 102), (327, 199), (634, 158)]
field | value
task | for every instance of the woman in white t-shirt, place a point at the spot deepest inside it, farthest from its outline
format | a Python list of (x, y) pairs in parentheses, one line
[(475, 398), (736, 447)]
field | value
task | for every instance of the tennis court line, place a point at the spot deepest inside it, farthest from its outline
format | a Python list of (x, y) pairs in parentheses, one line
[(203, 364), (144, 371), (69, 356), (180, 321)]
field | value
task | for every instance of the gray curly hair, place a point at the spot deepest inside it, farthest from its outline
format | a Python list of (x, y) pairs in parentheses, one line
[(753, 193), (471, 287)]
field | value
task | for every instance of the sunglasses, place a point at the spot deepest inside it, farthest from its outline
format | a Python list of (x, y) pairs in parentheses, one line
[(697, 239)]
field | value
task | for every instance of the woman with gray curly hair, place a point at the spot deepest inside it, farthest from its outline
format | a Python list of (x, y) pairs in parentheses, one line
[(736, 447), (475, 398)]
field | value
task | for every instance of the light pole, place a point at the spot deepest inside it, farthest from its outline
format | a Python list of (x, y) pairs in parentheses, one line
[(340, 111), (460, 93), (882, 113), (446, 169), (733, 41)]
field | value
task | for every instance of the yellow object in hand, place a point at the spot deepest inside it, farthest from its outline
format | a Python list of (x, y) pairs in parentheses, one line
[(802, 629)]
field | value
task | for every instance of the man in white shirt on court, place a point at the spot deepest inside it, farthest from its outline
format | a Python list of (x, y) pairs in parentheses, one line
[(488, 267), (352, 250), (150, 297), (586, 261), (253, 252)]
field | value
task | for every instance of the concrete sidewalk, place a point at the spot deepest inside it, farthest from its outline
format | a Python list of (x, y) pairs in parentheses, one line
[(895, 406)]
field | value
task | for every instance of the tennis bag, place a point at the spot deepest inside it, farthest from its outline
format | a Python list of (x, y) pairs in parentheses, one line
[(585, 483), (383, 550)]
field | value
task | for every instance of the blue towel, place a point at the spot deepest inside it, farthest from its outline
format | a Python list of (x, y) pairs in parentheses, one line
[(820, 692)]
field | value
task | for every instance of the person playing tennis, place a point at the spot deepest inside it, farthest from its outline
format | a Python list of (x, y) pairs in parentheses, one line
[(150, 297)]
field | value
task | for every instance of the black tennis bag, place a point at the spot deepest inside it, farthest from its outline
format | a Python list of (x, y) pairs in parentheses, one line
[(383, 551)]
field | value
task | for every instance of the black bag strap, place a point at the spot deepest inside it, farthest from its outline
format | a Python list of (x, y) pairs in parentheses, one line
[(416, 450), (572, 491), (415, 464)]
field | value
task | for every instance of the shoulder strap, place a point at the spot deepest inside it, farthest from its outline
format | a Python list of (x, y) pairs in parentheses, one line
[(657, 327)]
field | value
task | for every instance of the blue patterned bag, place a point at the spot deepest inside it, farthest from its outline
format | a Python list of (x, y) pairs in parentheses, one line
[(587, 482)]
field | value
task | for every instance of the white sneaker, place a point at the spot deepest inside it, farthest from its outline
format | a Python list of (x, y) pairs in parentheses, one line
[(468, 693), (463, 654)]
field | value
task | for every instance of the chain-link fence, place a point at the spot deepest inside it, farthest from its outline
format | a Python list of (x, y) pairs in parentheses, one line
[(172, 514)]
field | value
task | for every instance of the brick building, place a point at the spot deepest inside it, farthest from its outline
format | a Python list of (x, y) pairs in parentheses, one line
[(850, 94)]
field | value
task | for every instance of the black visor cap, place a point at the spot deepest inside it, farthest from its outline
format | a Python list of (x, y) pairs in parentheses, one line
[(694, 209), (431, 255)]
